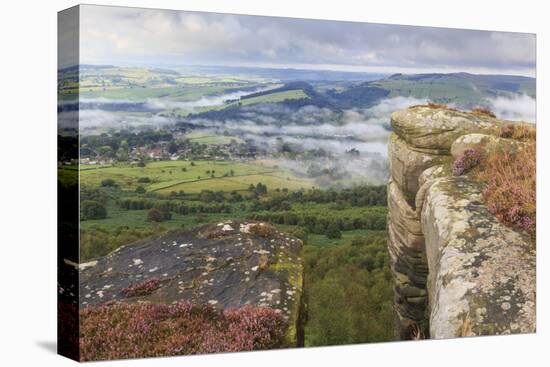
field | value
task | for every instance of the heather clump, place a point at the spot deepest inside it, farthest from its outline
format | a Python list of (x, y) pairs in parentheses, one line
[(126, 330), (469, 159), (510, 192)]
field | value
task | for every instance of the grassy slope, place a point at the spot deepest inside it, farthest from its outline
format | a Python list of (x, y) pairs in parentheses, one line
[(272, 97)]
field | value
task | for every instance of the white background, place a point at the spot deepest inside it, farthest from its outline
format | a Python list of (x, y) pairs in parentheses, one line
[(28, 182)]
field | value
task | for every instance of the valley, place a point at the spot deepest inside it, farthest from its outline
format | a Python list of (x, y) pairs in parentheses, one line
[(165, 150)]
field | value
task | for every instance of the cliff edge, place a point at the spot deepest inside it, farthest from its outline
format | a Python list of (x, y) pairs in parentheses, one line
[(457, 270)]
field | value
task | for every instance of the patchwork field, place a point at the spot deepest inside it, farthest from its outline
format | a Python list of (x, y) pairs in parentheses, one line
[(193, 177)]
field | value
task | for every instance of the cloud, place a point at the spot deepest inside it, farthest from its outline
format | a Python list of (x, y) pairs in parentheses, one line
[(98, 118), (153, 36), (518, 107)]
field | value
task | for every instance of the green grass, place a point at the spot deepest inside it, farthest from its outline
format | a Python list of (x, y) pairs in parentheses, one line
[(136, 83), (270, 98), (319, 240), (176, 93), (168, 176), (137, 219)]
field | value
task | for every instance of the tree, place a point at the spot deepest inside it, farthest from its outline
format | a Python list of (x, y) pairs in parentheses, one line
[(333, 231), (157, 215), (260, 189), (140, 190), (106, 151), (90, 209), (172, 147), (108, 182)]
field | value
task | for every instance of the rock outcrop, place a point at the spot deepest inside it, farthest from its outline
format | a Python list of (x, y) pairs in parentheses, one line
[(225, 265), (457, 270)]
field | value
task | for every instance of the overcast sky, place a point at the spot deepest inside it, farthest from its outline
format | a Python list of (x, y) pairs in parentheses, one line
[(133, 36)]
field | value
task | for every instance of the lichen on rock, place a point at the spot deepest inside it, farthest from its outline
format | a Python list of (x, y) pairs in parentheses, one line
[(476, 275)]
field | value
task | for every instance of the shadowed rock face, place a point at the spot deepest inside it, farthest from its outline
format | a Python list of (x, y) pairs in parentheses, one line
[(457, 271), (225, 265)]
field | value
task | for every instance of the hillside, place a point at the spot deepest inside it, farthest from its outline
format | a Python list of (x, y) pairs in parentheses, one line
[(467, 90), (461, 89)]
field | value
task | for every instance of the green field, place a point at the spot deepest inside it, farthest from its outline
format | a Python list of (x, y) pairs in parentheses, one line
[(141, 83), (272, 97), (168, 176), (211, 139)]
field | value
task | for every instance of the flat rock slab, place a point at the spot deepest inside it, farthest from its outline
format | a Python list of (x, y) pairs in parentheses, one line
[(435, 129), (225, 265)]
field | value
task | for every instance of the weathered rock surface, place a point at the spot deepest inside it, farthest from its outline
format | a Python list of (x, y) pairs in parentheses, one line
[(457, 271), (406, 165), (226, 265), (484, 143), (435, 129), (408, 261), (482, 273)]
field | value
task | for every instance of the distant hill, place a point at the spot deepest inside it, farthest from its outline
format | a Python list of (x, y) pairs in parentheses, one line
[(463, 89), (290, 74)]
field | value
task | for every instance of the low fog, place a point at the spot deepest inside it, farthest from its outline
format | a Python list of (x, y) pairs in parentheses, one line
[(352, 143), (519, 107), (160, 104)]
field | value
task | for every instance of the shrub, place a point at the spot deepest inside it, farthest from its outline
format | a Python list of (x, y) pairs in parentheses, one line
[(144, 180), (140, 190), (157, 215), (96, 242), (141, 289), (108, 182), (333, 231), (469, 159), (519, 131), (510, 193), (122, 330), (483, 111), (434, 105), (90, 209), (262, 230)]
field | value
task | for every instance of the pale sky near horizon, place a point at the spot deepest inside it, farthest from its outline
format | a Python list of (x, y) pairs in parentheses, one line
[(136, 36)]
